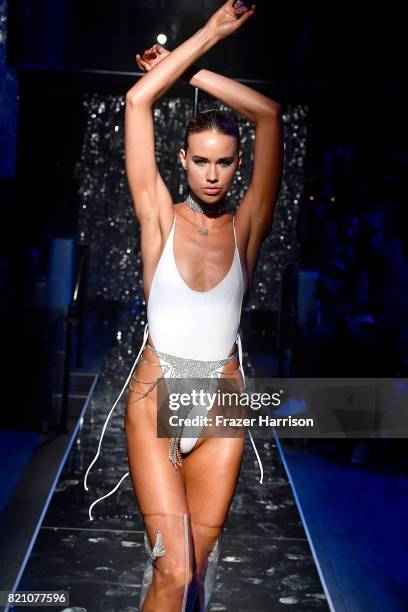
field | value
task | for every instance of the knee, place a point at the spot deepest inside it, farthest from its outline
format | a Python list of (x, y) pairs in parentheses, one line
[(174, 579)]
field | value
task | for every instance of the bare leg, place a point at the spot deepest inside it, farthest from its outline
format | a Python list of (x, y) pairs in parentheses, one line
[(211, 473), (184, 510), (169, 567), (161, 496)]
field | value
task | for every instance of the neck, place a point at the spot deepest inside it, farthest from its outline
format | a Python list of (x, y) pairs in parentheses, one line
[(210, 210)]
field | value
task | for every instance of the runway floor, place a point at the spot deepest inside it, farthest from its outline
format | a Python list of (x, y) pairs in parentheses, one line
[(266, 562)]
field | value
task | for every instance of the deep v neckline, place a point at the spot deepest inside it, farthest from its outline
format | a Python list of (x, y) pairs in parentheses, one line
[(181, 277)]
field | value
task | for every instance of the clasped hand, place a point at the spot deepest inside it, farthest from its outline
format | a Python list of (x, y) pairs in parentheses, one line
[(225, 21)]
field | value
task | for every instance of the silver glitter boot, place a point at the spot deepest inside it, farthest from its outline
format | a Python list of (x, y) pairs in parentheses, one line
[(211, 572), (167, 527), (152, 554)]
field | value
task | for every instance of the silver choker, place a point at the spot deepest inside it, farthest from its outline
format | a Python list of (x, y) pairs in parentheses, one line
[(211, 210)]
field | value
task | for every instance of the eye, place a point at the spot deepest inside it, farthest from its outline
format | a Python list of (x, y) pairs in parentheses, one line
[(226, 163), (199, 161)]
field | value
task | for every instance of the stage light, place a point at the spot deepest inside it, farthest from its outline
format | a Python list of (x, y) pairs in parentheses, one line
[(162, 39)]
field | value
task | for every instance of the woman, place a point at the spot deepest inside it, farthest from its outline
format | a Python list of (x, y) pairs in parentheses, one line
[(198, 261)]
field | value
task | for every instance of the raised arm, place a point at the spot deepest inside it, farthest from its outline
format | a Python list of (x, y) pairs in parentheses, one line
[(255, 214), (256, 211), (148, 190)]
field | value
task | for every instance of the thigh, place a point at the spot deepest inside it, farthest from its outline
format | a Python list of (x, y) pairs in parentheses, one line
[(211, 474), (158, 486), (212, 469)]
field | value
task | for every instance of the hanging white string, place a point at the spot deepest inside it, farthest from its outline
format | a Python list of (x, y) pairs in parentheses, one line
[(107, 495), (257, 456), (145, 336), (249, 431)]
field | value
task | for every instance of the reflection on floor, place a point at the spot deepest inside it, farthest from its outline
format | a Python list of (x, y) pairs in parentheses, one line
[(266, 561)]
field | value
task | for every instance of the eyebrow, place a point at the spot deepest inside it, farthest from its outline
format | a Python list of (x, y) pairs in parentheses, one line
[(228, 158)]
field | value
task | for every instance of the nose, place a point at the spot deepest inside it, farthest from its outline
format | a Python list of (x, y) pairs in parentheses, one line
[(212, 175)]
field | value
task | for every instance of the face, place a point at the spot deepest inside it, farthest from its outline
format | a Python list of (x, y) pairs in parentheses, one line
[(211, 161)]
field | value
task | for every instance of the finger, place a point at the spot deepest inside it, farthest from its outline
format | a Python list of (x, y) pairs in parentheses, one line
[(246, 13), (162, 50), (149, 55), (240, 5), (141, 63)]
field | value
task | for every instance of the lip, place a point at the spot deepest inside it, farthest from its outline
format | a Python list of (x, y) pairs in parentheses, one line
[(212, 190)]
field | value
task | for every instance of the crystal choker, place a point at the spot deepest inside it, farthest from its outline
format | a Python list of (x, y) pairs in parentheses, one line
[(211, 210)]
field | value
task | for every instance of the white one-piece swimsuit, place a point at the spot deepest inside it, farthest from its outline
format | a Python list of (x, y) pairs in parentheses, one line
[(189, 324)]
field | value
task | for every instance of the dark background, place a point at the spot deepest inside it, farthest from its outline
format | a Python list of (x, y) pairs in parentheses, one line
[(310, 42), (346, 61)]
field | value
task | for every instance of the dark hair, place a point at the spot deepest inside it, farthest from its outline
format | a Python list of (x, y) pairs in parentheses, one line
[(211, 119)]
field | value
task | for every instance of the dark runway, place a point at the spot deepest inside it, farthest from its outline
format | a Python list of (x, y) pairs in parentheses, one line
[(266, 562), (328, 527)]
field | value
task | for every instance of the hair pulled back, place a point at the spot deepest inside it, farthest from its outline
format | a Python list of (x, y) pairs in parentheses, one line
[(211, 119)]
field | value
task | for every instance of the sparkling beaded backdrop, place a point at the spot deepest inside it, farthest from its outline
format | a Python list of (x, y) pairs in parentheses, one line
[(107, 220), (107, 223)]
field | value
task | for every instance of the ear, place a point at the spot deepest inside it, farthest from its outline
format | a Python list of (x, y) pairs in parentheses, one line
[(182, 157)]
